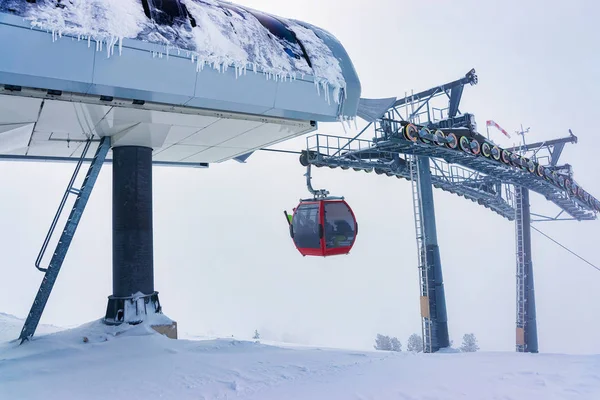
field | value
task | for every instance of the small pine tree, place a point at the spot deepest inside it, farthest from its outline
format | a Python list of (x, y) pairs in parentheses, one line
[(395, 344), (415, 343), (256, 335), (469, 343), (383, 342)]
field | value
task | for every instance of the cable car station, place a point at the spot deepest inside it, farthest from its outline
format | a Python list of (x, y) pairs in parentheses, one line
[(135, 109)]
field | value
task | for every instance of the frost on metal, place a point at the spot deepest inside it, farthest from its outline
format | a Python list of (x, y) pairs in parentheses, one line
[(218, 34)]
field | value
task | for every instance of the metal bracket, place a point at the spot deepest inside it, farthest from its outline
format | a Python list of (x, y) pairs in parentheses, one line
[(319, 193)]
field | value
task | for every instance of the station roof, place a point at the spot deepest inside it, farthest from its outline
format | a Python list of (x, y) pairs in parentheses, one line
[(189, 77)]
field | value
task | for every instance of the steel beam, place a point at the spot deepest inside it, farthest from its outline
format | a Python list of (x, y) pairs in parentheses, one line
[(66, 238), (554, 142), (437, 297), (530, 328), (469, 78)]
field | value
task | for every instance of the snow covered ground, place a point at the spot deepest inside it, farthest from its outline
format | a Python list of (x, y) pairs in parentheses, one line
[(140, 364), (10, 328)]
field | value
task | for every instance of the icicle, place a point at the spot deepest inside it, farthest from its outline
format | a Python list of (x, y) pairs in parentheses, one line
[(343, 126), (120, 46), (336, 94), (110, 46), (348, 122)]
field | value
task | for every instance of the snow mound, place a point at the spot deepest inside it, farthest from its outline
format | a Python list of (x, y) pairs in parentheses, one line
[(10, 328), (95, 361), (224, 35)]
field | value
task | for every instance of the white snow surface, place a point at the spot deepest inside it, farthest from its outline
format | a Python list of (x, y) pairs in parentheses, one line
[(10, 329), (138, 363), (221, 38)]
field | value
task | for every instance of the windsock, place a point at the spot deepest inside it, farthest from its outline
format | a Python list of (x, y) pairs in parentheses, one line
[(492, 123)]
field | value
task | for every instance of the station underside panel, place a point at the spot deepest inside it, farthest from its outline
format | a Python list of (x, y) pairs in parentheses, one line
[(57, 128)]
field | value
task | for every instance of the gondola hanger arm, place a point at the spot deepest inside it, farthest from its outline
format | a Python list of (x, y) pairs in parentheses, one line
[(319, 193)]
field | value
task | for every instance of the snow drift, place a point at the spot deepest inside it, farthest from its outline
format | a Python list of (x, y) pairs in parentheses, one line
[(10, 328)]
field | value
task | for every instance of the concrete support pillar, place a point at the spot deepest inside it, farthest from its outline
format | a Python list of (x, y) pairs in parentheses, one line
[(134, 297)]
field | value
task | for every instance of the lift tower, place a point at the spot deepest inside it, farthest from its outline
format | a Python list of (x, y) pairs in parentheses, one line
[(526, 323), (434, 318)]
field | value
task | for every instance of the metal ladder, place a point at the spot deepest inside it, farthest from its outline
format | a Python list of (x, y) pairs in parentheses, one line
[(426, 323), (521, 301), (51, 273)]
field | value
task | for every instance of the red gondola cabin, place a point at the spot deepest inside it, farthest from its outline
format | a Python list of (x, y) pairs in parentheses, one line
[(323, 227)]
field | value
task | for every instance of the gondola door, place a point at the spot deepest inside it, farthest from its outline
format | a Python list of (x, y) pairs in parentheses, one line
[(307, 228), (339, 226)]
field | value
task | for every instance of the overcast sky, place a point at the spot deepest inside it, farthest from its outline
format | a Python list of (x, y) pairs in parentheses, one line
[(224, 262)]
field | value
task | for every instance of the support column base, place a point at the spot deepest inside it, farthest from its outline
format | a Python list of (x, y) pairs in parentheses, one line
[(169, 330), (137, 309)]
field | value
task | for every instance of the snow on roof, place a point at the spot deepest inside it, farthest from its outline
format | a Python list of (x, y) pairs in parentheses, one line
[(215, 33)]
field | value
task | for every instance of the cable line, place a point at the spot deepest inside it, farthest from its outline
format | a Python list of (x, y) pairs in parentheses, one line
[(575, 254), (282, 151)]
